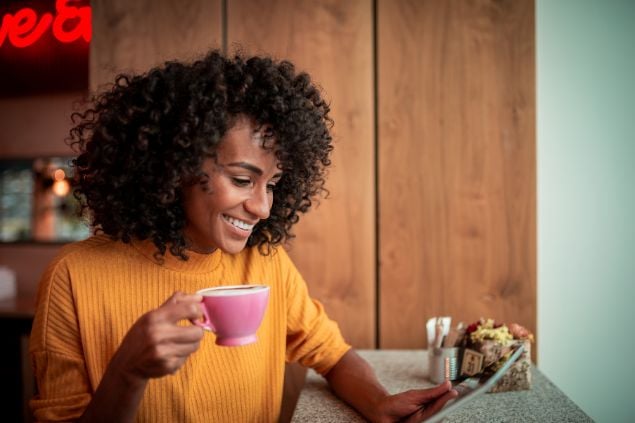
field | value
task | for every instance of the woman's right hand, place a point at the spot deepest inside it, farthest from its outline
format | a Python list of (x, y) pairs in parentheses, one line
[(155, 345)]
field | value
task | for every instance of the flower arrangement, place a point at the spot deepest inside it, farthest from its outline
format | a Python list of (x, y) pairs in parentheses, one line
[(487, 345)]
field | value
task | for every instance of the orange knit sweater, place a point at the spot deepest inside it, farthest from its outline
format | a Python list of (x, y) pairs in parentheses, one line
[(94, 291)]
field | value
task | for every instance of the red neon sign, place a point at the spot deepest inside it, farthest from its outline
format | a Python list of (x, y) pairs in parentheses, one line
[(23, 28)]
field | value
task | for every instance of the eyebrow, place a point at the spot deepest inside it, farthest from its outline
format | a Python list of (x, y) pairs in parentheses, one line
[(251, 168)]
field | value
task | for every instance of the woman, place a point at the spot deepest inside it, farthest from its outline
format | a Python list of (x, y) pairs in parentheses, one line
[(193, 174)]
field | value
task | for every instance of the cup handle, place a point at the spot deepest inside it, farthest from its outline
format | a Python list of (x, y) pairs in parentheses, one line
[(206, 323)]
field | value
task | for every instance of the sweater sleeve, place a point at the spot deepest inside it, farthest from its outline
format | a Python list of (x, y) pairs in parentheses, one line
[(313, 339), (63, 389)]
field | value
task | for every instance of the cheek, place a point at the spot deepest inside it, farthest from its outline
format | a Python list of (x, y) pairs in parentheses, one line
[(222, 199), (199, 205)]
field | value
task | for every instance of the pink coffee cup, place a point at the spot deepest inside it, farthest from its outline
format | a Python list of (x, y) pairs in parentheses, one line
[(234, 312)]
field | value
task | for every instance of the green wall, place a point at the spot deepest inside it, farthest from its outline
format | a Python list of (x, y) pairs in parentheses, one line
[(586, 202)]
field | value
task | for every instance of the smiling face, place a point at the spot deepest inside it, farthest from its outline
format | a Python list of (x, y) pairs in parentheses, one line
[(235, 192)]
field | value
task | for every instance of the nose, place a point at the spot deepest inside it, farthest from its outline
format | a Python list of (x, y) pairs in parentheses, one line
[(259, 203)]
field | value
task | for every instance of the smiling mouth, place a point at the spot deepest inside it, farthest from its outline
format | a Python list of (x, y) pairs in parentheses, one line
[(240, 224)]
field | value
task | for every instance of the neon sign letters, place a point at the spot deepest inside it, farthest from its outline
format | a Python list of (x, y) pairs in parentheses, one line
[(23, 28)]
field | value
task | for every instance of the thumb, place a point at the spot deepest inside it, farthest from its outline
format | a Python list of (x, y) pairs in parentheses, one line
[(423, 396), (438, 404)]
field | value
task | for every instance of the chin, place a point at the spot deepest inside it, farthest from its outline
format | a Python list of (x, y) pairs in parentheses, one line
[(233, 248)]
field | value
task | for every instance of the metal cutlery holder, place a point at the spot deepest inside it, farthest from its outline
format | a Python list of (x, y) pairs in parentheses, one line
[(444, 364)]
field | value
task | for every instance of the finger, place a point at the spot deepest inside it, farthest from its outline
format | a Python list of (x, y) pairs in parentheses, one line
[(430, 409), (437, 405), (170, 351), (174, 298), (187, 308), (166, 332), (173, 313), (194, 298), (183, 334), (423, 396), (184, 350), (178, 297), (168, 366)]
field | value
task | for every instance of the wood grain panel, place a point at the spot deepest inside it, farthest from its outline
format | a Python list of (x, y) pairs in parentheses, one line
[(335, 244), (133, 36), (456, 164)]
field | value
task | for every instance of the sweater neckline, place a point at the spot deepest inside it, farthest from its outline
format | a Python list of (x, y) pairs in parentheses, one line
[(196, 262)]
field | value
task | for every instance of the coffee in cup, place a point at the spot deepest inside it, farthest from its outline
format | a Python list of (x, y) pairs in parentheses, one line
[(234, 312)]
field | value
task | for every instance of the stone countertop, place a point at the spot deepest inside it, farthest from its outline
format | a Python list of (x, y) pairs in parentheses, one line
[(400, 370)]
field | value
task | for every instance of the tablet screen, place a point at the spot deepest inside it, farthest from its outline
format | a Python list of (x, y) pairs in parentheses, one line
[(471, 387)]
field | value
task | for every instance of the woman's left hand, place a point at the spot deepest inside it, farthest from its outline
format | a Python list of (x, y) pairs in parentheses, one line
[(415, 405), (354, 381)]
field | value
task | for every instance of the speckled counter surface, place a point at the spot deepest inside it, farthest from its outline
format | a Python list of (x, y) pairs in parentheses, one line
[(400, 370)]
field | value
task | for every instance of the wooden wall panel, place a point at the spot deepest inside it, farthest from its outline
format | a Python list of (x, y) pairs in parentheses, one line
[(133, 36), (335, 244), (457, 164)]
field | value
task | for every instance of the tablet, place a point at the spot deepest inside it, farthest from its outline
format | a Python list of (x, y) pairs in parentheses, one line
[(471, 387)]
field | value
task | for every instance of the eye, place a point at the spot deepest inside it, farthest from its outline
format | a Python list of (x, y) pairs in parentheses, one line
[(241, 182), (204, 183), (203, 178), (270, 187)]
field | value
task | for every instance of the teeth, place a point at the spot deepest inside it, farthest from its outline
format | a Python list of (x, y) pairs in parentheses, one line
[(239, 223)]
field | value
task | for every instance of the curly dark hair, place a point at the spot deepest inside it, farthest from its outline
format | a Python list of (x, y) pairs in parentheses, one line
[(145, 138)]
